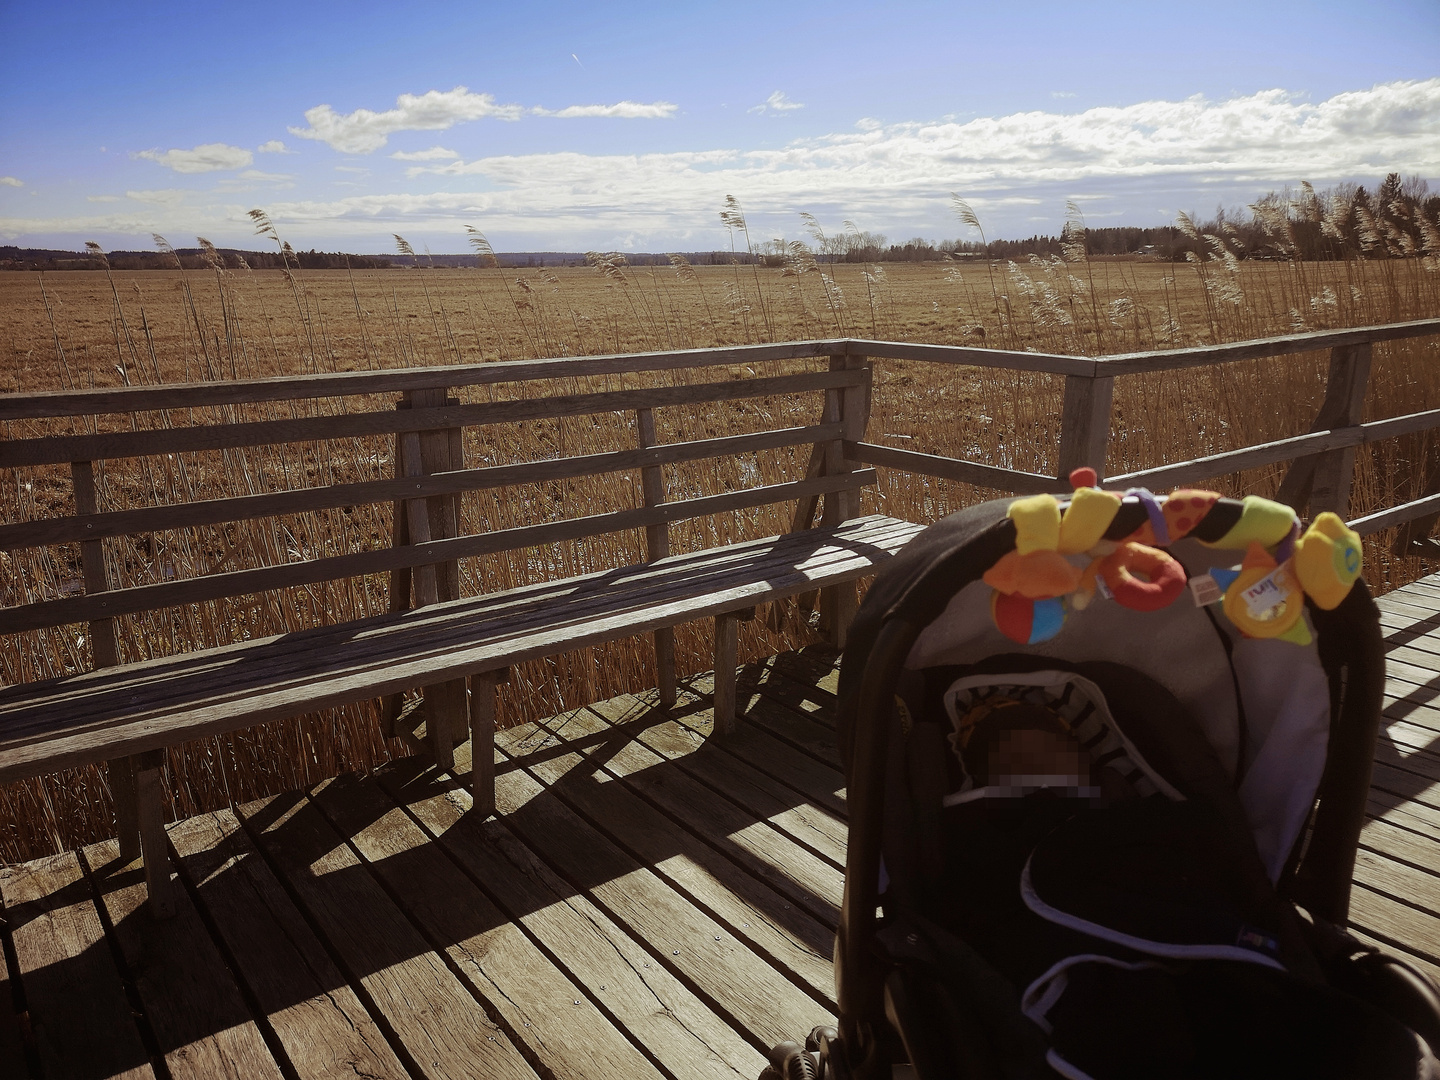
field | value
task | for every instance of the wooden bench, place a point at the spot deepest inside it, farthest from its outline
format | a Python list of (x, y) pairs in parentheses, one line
[(453, 646)]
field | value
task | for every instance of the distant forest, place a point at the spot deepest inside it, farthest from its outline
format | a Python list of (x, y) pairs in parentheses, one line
[(1399, 219)]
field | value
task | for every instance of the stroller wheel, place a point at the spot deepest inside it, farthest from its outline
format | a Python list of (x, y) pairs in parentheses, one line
[(789, 1061)]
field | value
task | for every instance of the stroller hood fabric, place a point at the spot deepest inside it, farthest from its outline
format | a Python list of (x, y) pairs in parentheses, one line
[(1123, 920)]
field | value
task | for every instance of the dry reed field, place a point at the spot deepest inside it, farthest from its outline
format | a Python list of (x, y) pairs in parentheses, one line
[(97, 328)]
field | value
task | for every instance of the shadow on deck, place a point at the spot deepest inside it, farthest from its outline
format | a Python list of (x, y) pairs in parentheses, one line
[(647, 901)]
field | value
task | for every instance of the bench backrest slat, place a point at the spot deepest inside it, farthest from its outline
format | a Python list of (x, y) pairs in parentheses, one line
[(140, 598)]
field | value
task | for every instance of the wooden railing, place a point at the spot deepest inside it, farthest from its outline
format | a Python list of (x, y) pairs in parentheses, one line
[(1323, 460)]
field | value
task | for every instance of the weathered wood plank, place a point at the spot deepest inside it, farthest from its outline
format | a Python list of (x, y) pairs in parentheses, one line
[(200, 1020), (682, 1033), (12, 1042), (539, 1006), (349, 383), (442, 1028), (985, 358), (60, 947), (315, 1014), (741, 835), (659, 886), (139, 598), (947, 468), (1085, 425), (330, 675), (1375, 909), (1286, 345), (818, 782), (54, 449), (712, 764)]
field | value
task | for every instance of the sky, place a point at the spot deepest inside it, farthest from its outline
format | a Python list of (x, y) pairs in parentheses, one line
[(582, 126)]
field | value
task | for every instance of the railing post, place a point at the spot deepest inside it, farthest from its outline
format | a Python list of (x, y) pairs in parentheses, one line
[(136, 783), (657, 546), (421, 520), (1085, 423), (851, 409), (1323, 480)]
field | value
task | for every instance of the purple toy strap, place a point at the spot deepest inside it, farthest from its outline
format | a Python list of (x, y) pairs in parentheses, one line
[(1158, 524)]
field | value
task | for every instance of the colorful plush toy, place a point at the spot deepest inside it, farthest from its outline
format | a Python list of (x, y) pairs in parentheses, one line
[(1141, 578), (1327, 560), (1037, 585), (1265, 599)]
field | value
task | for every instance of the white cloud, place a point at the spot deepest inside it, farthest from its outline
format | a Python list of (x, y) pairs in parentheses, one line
[(364, 131), (10, 181), (211, 157), (900, 175), (161, 197), (435, 153), (1062, 93), (894, 178), (868, 123), (102, 198), (274, 146), (624, 110), (777, 102)]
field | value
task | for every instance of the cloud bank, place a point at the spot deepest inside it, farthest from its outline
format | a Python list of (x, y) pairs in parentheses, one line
[(1132, 164), (211, 157)]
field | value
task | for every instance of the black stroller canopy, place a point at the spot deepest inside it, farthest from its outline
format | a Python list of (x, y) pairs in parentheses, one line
[(1237, 668)]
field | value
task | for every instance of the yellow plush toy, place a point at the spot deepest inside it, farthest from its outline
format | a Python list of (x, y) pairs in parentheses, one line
[(1327, 560)]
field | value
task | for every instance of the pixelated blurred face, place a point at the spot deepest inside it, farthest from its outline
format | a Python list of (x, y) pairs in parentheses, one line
[(1031, 752)]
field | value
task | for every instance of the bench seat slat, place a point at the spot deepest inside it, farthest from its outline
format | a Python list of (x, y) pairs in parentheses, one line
[(428, 629), (75, 720)]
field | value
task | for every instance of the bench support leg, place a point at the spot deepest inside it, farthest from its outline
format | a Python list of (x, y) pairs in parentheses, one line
[(727, 636), (445, 716), (837, 608), (121, 774), (150, 800), (482, 742), (665, 664)]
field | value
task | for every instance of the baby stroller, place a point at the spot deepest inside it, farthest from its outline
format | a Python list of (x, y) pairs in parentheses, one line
[(1106, 788)]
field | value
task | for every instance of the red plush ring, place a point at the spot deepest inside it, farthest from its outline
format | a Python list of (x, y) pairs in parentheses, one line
[(1166, 577)]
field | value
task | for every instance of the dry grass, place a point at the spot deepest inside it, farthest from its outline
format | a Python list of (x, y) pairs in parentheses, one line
[(94, 329)]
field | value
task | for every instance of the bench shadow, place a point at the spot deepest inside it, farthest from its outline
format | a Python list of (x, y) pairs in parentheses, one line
[(418, 895)]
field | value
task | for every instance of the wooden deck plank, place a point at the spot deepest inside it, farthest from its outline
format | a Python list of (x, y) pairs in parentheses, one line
[(537, 1003), (710, 762), (12, 1039), (201, 1022), (680, 905), (71, 983), (443, 1029), (821, 784), (316, 1016), (686, 1037), (742, 836)]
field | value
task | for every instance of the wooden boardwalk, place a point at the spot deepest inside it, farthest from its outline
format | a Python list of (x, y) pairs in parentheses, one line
[(645, 904)]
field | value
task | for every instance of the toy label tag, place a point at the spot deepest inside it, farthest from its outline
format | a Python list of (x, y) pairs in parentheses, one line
[(1206, 590), (1102, 588), (1268, 593)]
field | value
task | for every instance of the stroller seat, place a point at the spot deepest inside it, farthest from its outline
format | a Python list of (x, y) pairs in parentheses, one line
[(1110, 833)]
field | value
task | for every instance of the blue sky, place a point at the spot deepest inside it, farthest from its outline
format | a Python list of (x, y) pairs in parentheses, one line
[(565, 126)]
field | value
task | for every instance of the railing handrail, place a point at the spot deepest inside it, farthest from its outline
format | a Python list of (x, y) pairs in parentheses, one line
[(122, 399)]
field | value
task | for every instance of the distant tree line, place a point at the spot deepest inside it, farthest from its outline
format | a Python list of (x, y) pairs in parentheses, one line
[(1399, 219), (17, 258)]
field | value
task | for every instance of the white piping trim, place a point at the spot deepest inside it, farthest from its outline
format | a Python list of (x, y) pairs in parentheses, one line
[(1130, 941), (1064, 1068), (1042, 994)]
